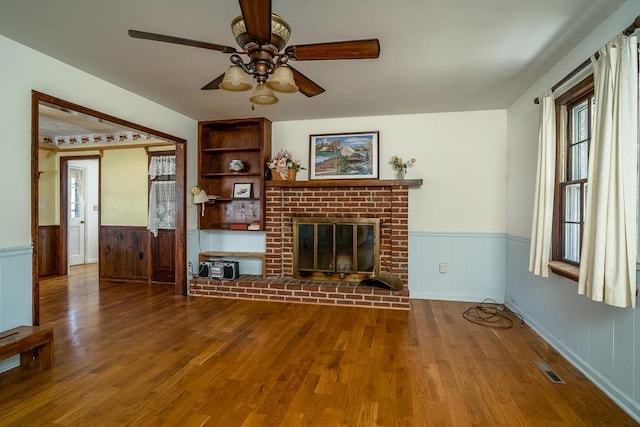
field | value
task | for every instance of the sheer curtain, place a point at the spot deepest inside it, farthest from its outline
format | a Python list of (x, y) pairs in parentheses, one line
[(608, 259), (540, 249), (162, 194), (162, 206), (162, 165)]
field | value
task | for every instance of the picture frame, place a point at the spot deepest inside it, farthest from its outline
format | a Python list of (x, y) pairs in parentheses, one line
[(242, 190), (352, 155)]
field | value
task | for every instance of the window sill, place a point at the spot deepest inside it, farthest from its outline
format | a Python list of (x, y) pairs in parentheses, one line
[(566, 270)]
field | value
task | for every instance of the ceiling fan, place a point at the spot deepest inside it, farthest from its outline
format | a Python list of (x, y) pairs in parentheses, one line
[(263, 36)]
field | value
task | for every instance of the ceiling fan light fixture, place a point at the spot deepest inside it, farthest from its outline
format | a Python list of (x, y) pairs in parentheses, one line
[(282, 80), (235, 80), (280, 32), (262, 95)]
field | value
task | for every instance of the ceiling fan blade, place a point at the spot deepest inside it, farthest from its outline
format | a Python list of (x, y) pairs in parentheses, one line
[(257, 18), (305, 85), (213, 84), (354, 49), (178, 40)]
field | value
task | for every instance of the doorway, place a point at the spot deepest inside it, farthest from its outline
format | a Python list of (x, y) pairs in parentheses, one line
[(82, 211), (180, 283)]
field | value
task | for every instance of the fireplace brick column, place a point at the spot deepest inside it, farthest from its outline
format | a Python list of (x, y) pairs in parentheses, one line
[(387, 200)]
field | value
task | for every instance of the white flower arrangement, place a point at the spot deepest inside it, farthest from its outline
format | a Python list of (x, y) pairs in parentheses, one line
[(400, 166)]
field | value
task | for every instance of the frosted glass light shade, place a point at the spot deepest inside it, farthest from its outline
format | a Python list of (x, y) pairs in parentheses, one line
[(282, 80), (235, 80), (262, 95)]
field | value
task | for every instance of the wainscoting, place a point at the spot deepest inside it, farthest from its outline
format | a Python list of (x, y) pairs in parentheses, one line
[(603, 342), (475, 266), (49, 250), (15, 293), (124, 252)]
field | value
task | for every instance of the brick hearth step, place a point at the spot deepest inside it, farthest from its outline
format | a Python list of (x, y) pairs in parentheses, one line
[(285, 289)]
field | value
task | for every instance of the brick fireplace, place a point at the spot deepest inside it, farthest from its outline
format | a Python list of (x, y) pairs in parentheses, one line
[(387, 200)]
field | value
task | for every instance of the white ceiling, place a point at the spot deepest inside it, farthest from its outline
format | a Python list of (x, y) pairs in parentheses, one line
[(436, 55), (56, 122)]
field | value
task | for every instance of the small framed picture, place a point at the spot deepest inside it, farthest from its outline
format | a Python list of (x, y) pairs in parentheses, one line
[(241, 190), (344, 156)]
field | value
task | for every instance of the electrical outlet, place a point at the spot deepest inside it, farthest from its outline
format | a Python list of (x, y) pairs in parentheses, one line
[(442, 267)]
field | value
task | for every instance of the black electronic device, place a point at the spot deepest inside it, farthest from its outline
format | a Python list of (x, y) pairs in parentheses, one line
[(219, 269)]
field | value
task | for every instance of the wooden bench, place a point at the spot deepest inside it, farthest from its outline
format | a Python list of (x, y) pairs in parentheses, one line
[(205, 256), (34, 343)]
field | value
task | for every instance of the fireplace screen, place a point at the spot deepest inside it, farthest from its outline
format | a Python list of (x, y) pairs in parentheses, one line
[(335, 248)]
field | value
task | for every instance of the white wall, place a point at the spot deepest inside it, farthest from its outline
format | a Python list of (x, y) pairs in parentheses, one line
[(600, 340), (22, 71), (458, 216), (460, 156)]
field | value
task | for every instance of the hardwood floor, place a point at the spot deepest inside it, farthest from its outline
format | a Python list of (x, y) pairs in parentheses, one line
[(134, 354)]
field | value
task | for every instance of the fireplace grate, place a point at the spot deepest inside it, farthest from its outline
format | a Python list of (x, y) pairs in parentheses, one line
[(344, 249)]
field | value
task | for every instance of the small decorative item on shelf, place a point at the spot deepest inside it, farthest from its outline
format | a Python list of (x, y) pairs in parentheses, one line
[(236, 165), (401, 167), (199, 196), (284, 167)]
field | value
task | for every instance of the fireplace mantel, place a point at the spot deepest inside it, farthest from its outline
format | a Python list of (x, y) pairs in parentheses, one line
[(347, 183)]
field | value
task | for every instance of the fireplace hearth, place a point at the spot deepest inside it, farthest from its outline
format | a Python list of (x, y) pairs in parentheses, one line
[(386, 202)]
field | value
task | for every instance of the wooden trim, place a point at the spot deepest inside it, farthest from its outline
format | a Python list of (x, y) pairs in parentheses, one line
[(582, 90), (35, 256), (42, 97), (565, 270), (181, 224), (578, 91), (63, 167), (180, 286), (348, 183)]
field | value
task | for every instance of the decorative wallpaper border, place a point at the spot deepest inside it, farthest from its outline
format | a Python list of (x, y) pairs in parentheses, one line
[(94, 139)]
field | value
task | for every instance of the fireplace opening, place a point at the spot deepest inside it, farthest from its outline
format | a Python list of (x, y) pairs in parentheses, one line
[(343, 249)]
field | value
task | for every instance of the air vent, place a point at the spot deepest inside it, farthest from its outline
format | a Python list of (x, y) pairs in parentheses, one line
[(550, 373)]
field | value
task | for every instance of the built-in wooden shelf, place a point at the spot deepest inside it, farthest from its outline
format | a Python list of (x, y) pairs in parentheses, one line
[(347, 183)]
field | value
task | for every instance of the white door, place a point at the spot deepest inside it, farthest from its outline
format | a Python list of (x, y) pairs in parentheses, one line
[(76, 215)]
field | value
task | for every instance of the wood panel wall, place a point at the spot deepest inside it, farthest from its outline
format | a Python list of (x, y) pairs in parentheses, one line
[(163, 256), (49, 250), (124, 252)]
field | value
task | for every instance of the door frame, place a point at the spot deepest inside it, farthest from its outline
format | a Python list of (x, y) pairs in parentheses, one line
[(63, 266), (180, 285)]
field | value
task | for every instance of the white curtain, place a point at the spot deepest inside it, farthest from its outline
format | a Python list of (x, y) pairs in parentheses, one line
[(162, 206), (162, 165), (540, 249), (608, 258)]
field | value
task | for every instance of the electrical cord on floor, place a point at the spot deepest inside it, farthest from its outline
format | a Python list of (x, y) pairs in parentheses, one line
[(489, 313)]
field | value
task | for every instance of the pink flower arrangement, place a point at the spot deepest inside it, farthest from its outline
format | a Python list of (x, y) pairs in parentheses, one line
[(283, 162)]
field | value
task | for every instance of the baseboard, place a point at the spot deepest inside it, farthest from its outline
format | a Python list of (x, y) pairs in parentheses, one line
[(602, 383)]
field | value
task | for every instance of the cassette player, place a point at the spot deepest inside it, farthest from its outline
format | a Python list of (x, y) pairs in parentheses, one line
[(219, 269)]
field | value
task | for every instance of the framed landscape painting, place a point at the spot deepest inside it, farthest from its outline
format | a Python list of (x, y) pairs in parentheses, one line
[(344, 156)]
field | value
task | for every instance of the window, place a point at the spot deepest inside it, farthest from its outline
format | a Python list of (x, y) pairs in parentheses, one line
[(574, 139)]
